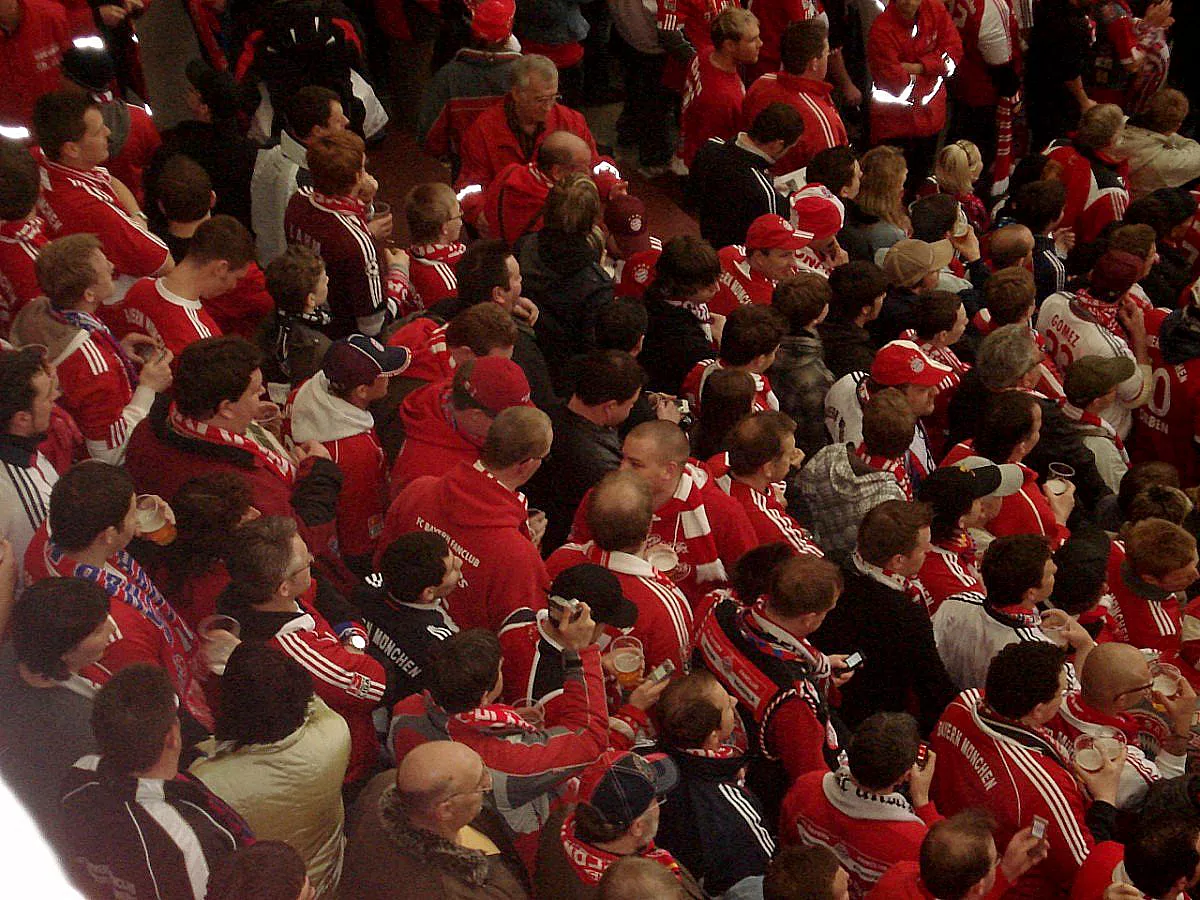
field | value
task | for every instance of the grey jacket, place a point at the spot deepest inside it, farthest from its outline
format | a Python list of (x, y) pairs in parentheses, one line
[(800, 380)]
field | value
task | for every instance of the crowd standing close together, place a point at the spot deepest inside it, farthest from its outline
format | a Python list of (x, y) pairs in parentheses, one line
[(843, 546)]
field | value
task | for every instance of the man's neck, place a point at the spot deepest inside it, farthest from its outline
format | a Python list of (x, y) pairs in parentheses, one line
[(277, 604), (223, 425), (183, 280), (757, 480), (661, 500), (622, 846), (443, 830), (581, 409), (184, 229), (507, 477), (96, 554), (723, 61), (165, 769), (33, 679)]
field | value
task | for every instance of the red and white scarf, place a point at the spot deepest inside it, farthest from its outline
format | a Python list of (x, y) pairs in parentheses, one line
[(348, 205), (912, 588), (590, 863), (684, 518), (1103, 312), (276, 462), (1083, 417), (497, 718), (897, 466)]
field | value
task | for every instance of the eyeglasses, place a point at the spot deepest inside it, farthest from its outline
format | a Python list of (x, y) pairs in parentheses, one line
[(548, 100), (307, 565), (1136, 690)]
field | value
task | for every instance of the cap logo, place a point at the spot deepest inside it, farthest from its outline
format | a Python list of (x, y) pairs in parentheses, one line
[(917, 365), (641, 273), (635, 223)]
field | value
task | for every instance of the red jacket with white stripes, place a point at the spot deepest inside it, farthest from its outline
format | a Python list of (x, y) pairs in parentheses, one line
[(705, 527), (150, 308), (811, 98), (529, 767), (904, 105), (867, 832), (664, 622), (738, 283), (431, 269), (1096, 193), (947, 571), (350, 683), (20, 243), (429, 357), (74, 201), (768, 517), (986, 761), (989, 35)]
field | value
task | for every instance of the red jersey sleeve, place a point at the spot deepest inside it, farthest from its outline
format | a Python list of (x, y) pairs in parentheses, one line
[(731, 529), (130, 249), (798, 738)]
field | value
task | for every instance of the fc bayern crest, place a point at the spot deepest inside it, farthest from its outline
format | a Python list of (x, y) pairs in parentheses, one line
[(635, 223), (916, 364)]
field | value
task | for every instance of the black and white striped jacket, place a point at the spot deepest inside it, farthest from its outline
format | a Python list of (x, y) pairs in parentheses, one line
[(26, 478), (130, 838)]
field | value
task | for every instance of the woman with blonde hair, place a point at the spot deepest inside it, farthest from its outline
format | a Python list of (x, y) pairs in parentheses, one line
[(881, 198), (955, 172)]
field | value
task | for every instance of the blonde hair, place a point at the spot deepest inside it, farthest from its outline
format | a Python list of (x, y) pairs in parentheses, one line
[(957, 167), (428, 207), (573, 205), (880, 192)]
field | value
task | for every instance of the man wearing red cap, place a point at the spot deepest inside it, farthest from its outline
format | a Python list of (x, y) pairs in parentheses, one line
[(749, 273), (616, 817), (816, 209), (447, 421), (478, 508), (628, 236), (713, 93), (1101, 319), (902, 365), (477, 77), (331, 407), (802, 85)]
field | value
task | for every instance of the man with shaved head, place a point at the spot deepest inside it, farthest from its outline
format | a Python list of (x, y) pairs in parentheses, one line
[(421, 830), (698, 530), (618, 513), (512, 203), (1114, 679), (1012, 245)]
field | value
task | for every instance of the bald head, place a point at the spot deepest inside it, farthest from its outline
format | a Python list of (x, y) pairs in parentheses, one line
[(1110, 672), (516, 435), (1011, 245), (637, 878), (438, 786), (563, 153), (665, 439), (619, 512)]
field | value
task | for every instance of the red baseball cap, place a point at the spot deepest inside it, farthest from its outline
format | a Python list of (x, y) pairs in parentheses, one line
[(625, 219), (637, 274), (493, 20), (903, 362), (495, 383), (816, 209), (771, 232)]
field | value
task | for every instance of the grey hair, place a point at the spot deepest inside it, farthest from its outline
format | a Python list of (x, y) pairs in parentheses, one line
[(1005, 356), (525, 68)]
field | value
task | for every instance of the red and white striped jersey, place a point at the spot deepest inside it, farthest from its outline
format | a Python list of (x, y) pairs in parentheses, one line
[(432, 270), (768, 516), (149, 307)]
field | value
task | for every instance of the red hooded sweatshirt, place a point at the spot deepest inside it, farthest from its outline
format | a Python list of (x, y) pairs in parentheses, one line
[(484, 523), (432, 444)]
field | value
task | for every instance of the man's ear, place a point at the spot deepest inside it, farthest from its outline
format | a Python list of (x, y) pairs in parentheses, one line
[(212, 199)]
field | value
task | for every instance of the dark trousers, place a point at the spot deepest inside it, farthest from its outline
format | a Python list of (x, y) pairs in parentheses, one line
[(648, 117), (919, 153)]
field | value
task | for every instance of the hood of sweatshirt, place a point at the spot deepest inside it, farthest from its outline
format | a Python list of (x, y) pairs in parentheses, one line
[(426, 417), (317, 415), (469, 496), (1179, 337), (36, 324)]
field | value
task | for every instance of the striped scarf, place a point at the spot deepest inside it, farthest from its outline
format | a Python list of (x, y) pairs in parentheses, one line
[(684, 516), (210, 434), (590, 862), (912, 588), (1002, 167), (99, 333), (897, 466), (1083, 417)]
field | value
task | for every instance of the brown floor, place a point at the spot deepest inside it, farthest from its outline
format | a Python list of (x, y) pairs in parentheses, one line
[(398, 163)]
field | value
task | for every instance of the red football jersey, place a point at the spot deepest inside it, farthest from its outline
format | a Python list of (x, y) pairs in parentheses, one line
[(150, 308)]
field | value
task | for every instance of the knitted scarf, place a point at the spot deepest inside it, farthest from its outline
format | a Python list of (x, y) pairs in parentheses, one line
[(1083, 417), (497, 719), (209, 434), (1102, 312), (911, 587), (897, 466), (684, 516), (590, 862)]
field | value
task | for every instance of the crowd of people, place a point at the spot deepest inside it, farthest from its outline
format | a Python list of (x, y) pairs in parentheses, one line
[(844, 549)]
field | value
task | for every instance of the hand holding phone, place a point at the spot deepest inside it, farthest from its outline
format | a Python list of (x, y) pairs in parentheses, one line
[(853, 661), (1038, 830), (662, 671)]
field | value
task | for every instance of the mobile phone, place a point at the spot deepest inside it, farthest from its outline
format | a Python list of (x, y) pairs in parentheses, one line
[(853, 661), (922, 755), (1039, 827), (567, 607), (663, 670)]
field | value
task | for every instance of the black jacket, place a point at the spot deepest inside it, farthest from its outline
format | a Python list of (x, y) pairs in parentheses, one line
[(582, 454), (675, 342), (404, 637), (560, 273), (713, 824), (224, 153), (1060, 439), (847, 347), (895, 636), (729, 188)]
